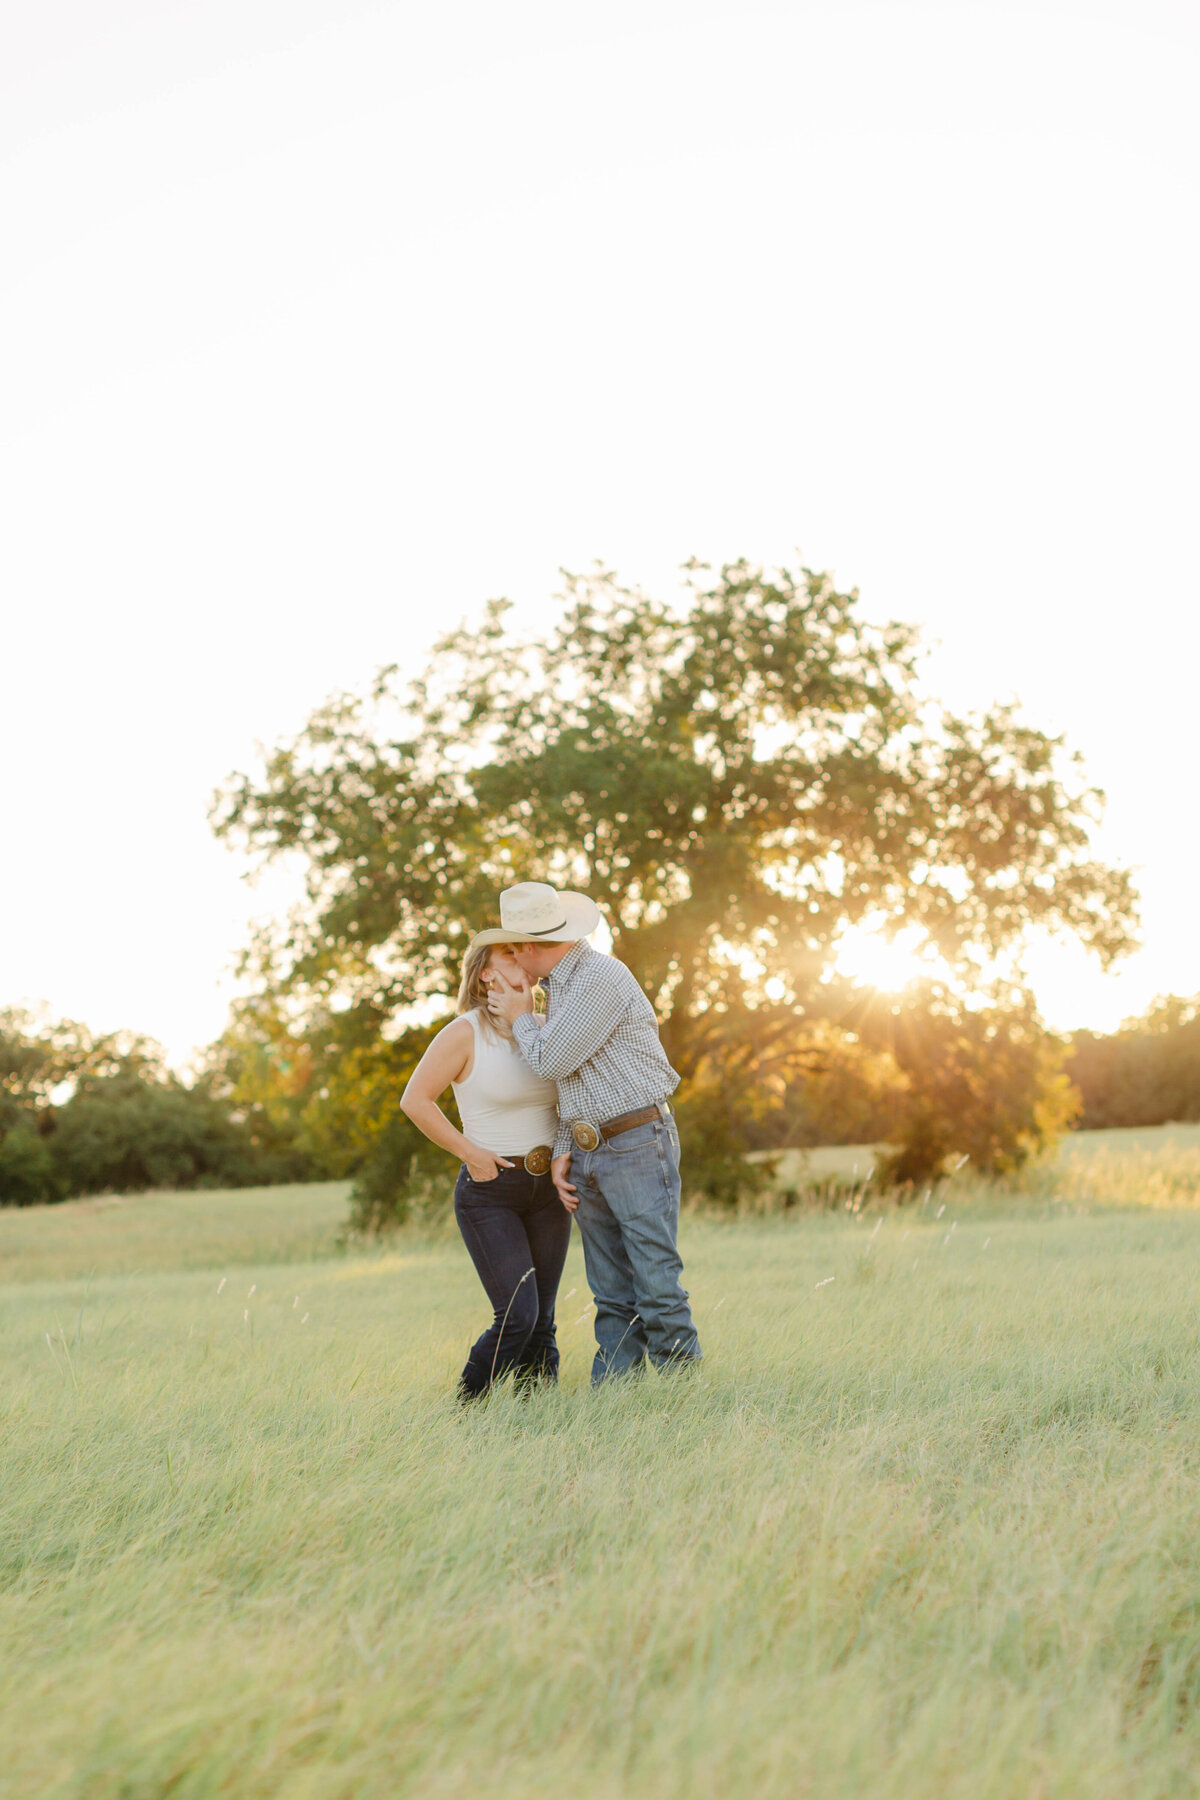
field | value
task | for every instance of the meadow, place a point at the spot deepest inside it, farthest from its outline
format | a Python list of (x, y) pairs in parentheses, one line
[(925, 1523)]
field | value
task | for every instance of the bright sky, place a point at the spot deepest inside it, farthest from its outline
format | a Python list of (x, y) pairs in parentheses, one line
[(324, 320)]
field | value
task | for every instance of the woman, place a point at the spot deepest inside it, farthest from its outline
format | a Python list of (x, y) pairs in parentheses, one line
[(511, 1218)]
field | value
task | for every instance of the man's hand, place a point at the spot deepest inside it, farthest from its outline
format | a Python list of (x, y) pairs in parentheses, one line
[(506, 1000), (560, 1168)]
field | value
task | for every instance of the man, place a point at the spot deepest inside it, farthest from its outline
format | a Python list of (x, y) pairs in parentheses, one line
[(616, 1136)]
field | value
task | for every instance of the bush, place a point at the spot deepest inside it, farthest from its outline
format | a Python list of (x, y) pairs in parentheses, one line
[(841, 1091), (404, 1177), (28, 1174), (131, 1131), (715, 1135), (984, 1085)]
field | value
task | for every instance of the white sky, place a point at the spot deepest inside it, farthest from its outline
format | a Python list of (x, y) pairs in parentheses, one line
[(323, 322)]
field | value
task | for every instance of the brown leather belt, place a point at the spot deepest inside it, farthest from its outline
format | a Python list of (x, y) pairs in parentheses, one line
[(626, 1121), (588, 1136)]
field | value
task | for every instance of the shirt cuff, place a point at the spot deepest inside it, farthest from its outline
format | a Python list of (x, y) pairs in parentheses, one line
[(564, 1143), (532, 1028)]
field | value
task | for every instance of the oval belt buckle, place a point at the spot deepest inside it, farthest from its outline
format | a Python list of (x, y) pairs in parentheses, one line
[(585, 1135), (537, 1161)]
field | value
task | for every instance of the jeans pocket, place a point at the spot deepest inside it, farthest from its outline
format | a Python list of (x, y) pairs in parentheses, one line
[(643, 1179), (628, 1143), (507, 1187), (468, 1191), (502, 1178)]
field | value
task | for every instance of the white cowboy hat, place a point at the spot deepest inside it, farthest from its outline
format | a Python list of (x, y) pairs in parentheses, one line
[(533, 912)]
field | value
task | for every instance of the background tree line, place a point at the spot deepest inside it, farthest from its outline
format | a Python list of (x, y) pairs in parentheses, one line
[(262, 1111), (81, 1114), (736, 779), (1147, 1073)]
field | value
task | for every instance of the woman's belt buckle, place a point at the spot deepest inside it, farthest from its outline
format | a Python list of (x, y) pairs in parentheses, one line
[(585, 1135), (537, 1160)]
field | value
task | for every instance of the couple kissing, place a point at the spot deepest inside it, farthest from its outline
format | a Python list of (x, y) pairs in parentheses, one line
[(565, 1115)]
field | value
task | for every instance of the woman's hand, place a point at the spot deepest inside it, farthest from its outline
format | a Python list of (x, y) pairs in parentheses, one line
[(483, 1166)]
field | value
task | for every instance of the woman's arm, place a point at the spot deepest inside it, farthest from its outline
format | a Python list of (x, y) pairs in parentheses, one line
[(445, 1061)]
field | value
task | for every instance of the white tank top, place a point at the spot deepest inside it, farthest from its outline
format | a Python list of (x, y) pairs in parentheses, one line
[(503, 1105)]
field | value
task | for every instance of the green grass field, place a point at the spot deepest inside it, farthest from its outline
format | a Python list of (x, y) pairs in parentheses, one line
[(926, 1523)]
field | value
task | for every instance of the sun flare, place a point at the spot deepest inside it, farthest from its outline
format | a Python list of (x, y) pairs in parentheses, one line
[(867, 956)]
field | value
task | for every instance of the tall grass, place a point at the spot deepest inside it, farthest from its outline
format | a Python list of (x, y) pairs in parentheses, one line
[(925, 1523), (1155, 1167)]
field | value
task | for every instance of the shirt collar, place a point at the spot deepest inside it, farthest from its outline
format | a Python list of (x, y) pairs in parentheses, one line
[(566, 968)]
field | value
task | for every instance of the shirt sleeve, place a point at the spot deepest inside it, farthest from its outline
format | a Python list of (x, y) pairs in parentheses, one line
[(586, 1020)]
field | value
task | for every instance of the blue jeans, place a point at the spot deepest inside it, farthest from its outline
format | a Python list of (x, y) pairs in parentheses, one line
[(629, 1217), (517, 1230)]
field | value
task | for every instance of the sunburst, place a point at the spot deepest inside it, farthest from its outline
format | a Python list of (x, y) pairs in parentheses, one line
[(866, 955)]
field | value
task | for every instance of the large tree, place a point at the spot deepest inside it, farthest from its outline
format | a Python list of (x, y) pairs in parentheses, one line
[(735, 778)]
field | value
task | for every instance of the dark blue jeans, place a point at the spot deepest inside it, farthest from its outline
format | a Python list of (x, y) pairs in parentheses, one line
[(517, 1230)]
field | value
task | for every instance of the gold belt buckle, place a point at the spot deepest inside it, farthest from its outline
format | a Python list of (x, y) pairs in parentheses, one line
[(537, 1160), (585, 1135)]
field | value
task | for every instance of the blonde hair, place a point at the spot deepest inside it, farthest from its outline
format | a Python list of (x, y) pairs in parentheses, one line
[(472, 992)]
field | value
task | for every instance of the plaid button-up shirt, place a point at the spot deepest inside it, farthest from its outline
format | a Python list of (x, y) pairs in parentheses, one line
[(599, 1042)]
